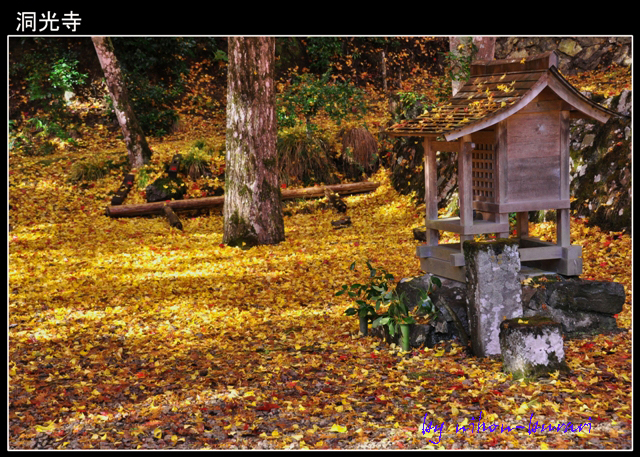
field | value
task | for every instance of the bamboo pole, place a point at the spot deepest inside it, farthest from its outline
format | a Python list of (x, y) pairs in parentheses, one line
[(145, 209)]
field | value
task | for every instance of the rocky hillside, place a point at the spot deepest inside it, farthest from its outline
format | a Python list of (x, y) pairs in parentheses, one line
[(601, 168), (576, 54)]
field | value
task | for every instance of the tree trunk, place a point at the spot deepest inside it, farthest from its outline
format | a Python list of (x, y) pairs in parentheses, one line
[(139, 151), (478, 48), (486, 46), (461, 48), (252, 207)]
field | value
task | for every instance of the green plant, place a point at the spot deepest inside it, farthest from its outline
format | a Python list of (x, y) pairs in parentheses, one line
[(152, 104), (374, 291), (458, 65), (322, 50), (47, 128), (397, 313), (38, 136), (199, 144), (64, 76), (197, 161), (410, 105), (426, 307), (49, 84), (307, 95), (378, 292), (144, 176), (153, 69), (173, 185)]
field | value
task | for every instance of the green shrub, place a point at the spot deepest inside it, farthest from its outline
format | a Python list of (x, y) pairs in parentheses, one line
[(197, 161), (37, 137), (151, 103), (47, 81), (154, 77), (47, 84), (380, 292), (409, 105), (322, 50), (308, 95), (144, 176)]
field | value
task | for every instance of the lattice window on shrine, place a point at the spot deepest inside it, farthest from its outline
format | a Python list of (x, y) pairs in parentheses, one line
[(482, 172)]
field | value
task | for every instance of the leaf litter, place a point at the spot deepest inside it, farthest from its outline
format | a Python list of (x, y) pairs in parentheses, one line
[(128, 334)]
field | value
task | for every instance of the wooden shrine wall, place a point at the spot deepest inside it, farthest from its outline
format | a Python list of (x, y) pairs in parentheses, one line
[(533, 152)]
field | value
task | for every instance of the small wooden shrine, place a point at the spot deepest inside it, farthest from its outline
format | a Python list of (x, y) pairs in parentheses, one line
[(509, 125)]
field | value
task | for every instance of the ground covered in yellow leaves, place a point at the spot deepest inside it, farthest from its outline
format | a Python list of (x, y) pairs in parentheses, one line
[(127, 334)]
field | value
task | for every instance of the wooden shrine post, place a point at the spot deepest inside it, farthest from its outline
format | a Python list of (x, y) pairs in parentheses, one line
[(465, 202), (430, 191)]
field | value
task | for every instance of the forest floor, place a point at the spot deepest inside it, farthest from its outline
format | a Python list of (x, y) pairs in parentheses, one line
[(129, 334)]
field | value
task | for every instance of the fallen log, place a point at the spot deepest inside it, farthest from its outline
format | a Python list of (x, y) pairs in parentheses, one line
[(145, 209)]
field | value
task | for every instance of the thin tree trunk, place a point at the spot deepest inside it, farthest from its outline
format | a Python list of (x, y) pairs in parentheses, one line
[(383, 60), (137, 147), (461, 48), (252, 206), (478, 48)]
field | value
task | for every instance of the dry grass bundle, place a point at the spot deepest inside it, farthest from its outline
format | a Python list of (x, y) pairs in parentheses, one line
[(305, 158), (90, 169), (359, 150)]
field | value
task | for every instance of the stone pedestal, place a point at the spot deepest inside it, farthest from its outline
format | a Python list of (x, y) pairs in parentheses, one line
[(531, 347), (493, 291)]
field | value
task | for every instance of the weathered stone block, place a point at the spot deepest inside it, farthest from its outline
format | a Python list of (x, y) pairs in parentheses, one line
[(443, 327), (532, 347), (493, 291), (580, 305), (451, 292)]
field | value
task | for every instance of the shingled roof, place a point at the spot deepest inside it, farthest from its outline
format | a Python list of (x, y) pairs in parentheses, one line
[(495, 90)]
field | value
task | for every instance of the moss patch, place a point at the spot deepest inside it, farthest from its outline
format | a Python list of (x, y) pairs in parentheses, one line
[(532, 321), (531, 372), (496, 247), (242, 233)]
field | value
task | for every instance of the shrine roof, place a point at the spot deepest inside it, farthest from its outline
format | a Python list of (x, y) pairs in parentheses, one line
[(495, 90)]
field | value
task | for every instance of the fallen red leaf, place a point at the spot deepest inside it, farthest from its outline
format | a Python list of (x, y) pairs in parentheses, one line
[(267, 407)]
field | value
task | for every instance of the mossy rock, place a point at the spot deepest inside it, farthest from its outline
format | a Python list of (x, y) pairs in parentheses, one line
[(532, 347), (166, 188)]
